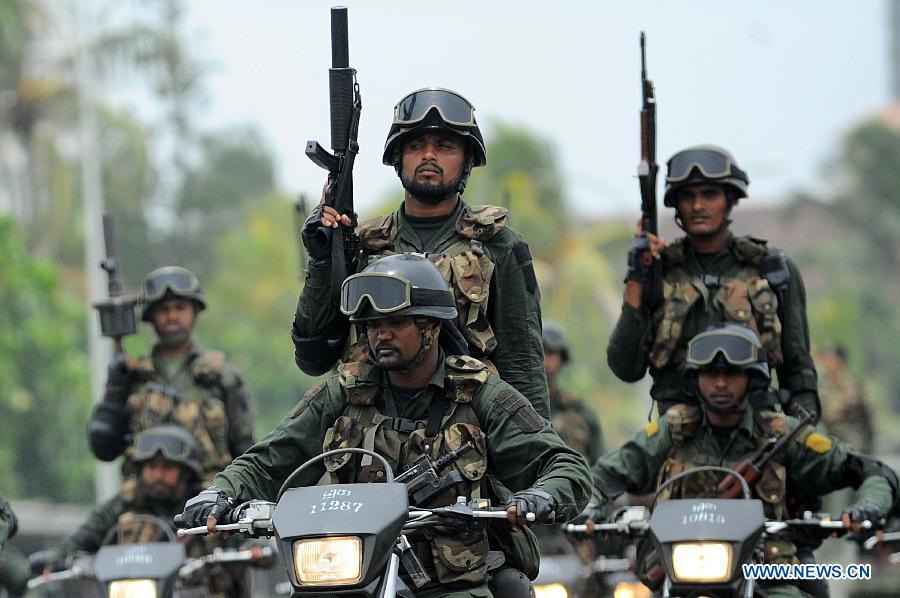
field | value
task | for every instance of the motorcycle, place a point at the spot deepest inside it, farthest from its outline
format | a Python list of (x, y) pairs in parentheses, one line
[(350, 539), (564, 573), (147, 569), (701, 544)]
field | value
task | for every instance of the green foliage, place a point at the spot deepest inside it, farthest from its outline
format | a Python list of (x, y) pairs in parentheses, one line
[(44, 398), (523, 175), (252, 296)]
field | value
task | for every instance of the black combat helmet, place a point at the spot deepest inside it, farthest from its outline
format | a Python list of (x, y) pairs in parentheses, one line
[(170, 281), (704, 164), (433, 108), (173, 443), (555, 339), (406, 284), (729, 345)]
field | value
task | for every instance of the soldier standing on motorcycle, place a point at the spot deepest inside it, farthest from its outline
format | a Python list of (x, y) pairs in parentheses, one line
[(729, 370), (407, 399), (170, 470)]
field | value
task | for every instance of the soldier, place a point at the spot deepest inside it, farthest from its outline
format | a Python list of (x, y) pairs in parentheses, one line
[(710, 276), (433, 144), (179, 382), (168, 458), (572, 419), (409, 398), (726, 365), (8, 522), (845, 413)]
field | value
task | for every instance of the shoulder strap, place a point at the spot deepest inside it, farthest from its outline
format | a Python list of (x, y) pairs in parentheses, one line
[(481, 222)]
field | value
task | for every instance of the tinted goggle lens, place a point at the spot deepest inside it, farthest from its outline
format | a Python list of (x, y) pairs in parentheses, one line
[(178, 282), (454, 109), (173, 449), (736, 349), (711, 164), (385, 293)]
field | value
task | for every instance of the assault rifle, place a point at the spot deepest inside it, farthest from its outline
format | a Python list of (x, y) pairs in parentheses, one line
[(345, 107), (422, 479), (117, 317), (751, 468), (647, 171)]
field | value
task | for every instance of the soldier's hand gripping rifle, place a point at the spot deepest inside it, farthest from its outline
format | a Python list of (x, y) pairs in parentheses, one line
[(345, 107), (647, 171), (117, 318)]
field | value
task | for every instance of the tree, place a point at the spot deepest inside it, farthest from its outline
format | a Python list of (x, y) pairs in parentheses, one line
[(44, 398)]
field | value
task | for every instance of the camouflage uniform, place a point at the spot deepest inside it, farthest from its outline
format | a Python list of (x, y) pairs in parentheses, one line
[(576, 424), (845, 413), (515, 449), (729, 289), (816, 462), (205, 395), (489, 268), (122, 510)]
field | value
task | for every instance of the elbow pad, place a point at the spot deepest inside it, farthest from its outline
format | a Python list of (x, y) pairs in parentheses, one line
[(107, 430), (317, 355)]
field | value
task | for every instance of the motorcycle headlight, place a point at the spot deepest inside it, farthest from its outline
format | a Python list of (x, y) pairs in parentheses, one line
[(631, 589), (551, 590), (132, 588), (328, 561), (701, 561)]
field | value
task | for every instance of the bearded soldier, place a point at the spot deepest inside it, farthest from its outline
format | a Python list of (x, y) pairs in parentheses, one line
[(709, 276), (409, 398), (433, 144), (727, 367), (179, 382)]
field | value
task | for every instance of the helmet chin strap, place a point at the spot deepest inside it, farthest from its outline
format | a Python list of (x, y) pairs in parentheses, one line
[(732, 409)]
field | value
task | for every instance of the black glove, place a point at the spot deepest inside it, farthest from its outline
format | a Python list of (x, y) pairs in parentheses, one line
[(212, 501), (119, 378), (865, 512), (316, 250), (534, 500), (51, 559), (638, 271)]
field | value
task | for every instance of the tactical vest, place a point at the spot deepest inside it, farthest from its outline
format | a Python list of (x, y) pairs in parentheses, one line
[(747, 299), (449, 555), (770, 488), (200, 410), (466, 266)]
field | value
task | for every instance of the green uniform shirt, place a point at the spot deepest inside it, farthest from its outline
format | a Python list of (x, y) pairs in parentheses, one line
[(513, 311), (519, 455), (628, 353), (818, 464)]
